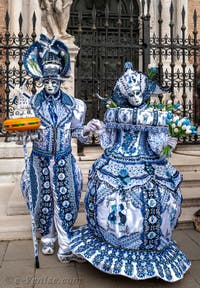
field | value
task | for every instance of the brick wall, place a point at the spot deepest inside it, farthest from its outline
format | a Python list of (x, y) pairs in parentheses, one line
[(192, 5)]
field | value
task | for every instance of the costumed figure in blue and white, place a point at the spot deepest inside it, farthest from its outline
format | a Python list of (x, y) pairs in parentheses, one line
[(55, 178), (133, 197)]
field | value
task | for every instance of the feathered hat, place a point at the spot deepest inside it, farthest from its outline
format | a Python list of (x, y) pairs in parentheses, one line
[(47, 58)]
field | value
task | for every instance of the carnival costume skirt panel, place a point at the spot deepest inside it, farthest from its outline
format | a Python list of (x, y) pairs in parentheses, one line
[(55, 184), (132, 209)]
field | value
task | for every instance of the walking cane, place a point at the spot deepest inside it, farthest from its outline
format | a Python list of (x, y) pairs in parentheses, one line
[(30, 200), (24, 125)]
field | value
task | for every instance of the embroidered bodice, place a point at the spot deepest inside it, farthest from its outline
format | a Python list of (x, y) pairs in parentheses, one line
[(139, 133), (130, 143), (135, 116), (61, 119)]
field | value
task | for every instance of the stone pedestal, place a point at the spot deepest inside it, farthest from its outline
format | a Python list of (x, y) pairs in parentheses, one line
[(69, 85)]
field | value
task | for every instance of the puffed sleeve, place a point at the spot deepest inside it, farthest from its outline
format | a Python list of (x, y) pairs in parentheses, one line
[(107, 138), (157, 140), (158, 137), (77, 123)]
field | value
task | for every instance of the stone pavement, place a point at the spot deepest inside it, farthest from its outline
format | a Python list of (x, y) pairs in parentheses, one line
[(17, 269)]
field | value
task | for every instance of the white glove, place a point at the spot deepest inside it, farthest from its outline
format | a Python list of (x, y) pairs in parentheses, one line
[(172, 141), (93, 125)]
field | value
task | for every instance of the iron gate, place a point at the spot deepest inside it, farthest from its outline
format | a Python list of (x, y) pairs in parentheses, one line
[(108, 35), (12, 48)]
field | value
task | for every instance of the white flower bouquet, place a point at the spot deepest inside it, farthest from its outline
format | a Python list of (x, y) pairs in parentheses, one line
[(178, 127)]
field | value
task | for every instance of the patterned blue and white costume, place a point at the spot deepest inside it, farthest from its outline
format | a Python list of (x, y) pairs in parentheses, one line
[(133, 198), (55, 179)]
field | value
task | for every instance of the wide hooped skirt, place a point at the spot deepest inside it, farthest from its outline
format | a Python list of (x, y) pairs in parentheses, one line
[(170, 264), (130, 221)]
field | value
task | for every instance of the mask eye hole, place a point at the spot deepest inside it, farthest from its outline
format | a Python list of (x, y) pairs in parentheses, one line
[(137, 93), (46, 82), (54, 82), (129, 80)]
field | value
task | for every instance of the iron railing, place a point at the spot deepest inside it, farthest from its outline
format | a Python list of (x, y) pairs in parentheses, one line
[(12, 48), (107, 40)]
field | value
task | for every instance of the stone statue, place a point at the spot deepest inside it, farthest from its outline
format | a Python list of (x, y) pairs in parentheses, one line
[(55, 16)]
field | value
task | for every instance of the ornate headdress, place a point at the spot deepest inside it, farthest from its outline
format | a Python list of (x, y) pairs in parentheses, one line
[(139, 82), (47, 58)]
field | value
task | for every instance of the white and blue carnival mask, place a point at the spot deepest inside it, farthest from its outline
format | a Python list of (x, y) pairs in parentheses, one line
[(47, 59), (51, 86), (134, 88)]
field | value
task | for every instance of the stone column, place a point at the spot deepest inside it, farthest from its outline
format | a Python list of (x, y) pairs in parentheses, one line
[(69, 85), (14, 9), (34, 6), (179, 6)]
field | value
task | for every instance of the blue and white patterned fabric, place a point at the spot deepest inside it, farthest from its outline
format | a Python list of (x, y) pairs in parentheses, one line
[(56, 180), (133, 200)]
